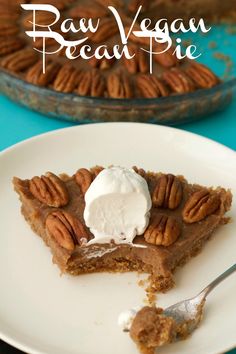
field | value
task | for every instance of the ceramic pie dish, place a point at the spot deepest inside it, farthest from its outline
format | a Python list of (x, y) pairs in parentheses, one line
[(109, 90), (166, 110)]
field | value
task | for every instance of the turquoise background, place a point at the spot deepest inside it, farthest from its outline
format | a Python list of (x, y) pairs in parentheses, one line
[(18, 123)]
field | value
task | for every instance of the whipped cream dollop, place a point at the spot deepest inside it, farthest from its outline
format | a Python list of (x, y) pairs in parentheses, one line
[(117, 206)]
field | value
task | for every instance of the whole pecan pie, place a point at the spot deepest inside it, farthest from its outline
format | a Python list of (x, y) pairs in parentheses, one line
[(112, 78), (183, 217)]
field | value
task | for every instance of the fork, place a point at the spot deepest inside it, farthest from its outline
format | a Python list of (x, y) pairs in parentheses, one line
[(187, 312), (190, 310)]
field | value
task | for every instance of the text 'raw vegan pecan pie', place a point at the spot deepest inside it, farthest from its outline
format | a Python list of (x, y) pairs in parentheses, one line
[(110, 78), (161, 224)]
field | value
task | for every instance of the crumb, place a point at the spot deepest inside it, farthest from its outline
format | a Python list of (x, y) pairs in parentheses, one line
[(152, 297), (97, 323), (141, 282), (187, 42), (150, 300), (150, 293), (212, 45), (146, 302), (231, 29), (226, 220), (222, 56), (228, 62)]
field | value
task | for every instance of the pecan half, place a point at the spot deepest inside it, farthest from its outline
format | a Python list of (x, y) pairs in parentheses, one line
[(102, 64), (178, 81), (107, 28), (83, 178), (96, 170), (98, 84), (10, 8), (139, 63), (36, 76), (67, 230), (115, 3), (10, 44), (135, 39), (91, 83), (118, 86), (162, 231), (41, 18), (8, 28), (19, 60), (166, 59), (139, 171), (49, 190), (202, 76), (200, 205), (12, 3), (168, 192), (60, 4), (150, 86), (15, 2), (88, 10), (66, 79), (133, 5), (49, 42), (8, 16), (84, 83)]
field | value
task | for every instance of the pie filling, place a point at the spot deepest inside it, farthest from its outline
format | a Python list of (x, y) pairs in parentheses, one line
[(183, 217)]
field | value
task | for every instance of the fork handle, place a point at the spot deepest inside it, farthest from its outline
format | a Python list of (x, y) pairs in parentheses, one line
[(217, 281)]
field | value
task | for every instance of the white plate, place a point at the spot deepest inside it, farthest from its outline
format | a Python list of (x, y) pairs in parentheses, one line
[(43, 312)]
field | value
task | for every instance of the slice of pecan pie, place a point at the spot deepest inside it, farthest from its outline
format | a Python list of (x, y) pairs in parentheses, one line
[(183, 216)]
